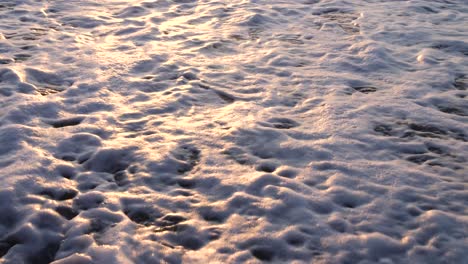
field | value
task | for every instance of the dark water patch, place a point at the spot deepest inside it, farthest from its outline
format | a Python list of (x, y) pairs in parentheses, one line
[(66, 211), (385, 130), (420, 159), (59, 194), (6, 61), (461, 83), (263, 253), (280, 123), (226, 97), (453, 110), (73, 121), (365, 89), (48, 91), (189, 155)]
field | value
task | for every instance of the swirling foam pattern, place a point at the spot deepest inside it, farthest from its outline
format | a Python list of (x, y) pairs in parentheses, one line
[(244, 131)]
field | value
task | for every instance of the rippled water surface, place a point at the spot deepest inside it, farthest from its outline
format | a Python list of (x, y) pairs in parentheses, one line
[(245, 131)]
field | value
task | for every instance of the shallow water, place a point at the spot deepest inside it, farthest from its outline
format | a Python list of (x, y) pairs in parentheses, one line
[(233, 131)]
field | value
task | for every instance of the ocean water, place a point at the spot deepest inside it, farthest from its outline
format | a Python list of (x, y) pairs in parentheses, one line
[(245, 131)]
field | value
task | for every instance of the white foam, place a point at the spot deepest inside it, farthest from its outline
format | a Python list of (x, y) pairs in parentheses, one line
[(321, 131)]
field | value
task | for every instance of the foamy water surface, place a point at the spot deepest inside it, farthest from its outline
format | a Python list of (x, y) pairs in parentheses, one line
[(245, 131)]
